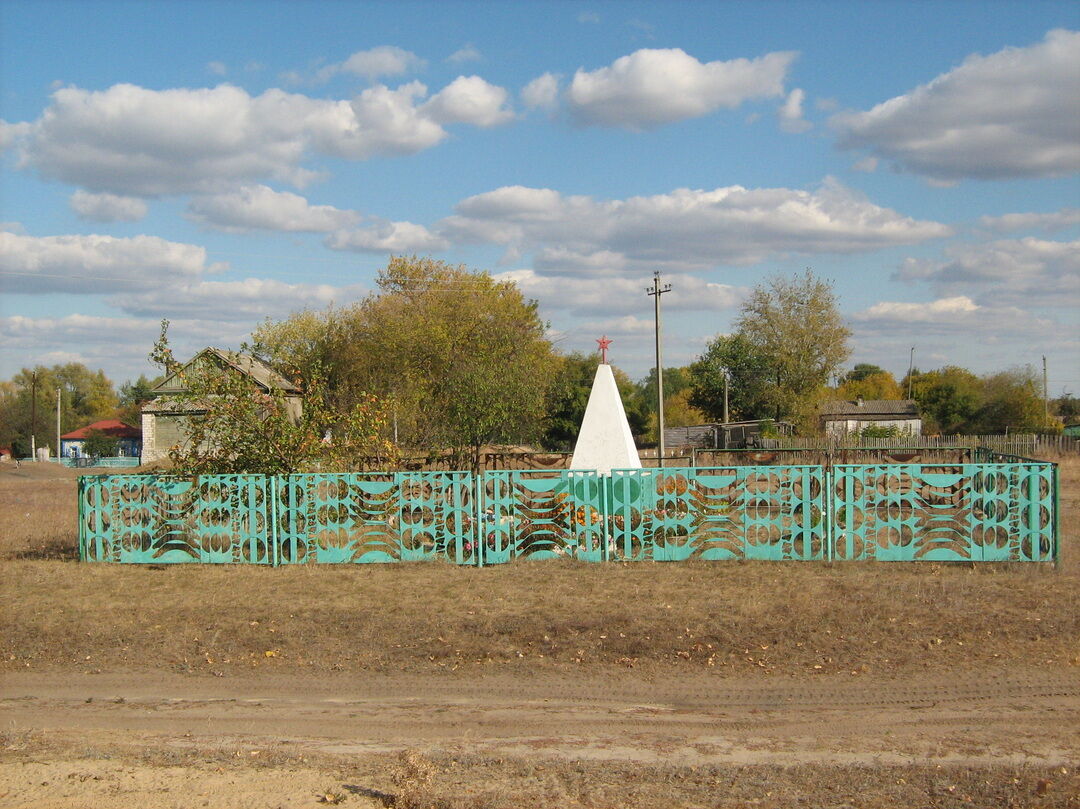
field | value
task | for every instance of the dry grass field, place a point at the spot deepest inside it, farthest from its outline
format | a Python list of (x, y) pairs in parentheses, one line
[(532, 684)]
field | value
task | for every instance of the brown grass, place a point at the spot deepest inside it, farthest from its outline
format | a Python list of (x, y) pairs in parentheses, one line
[(734, 618)]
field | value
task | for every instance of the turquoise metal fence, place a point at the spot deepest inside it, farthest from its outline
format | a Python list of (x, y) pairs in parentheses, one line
[(540, 515), (1003, 511), (372, 517), (147, 518), (737, 512), (989, 512)]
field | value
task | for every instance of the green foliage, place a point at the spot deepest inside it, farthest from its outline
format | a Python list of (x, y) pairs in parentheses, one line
[(568, 396), (85, 396), (862, 370), (237, 427), (948, 399), (1066, 408), (880, 431), (795, 325), (872, 385), (461, 358), (99, 445), (133, 395), (748, 385)]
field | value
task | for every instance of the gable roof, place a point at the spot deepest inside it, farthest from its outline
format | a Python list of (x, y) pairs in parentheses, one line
[(253, 367), (896, 408), (114, 428)]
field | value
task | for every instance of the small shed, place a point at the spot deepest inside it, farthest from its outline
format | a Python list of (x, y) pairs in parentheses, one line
[(841, 418), (129, 439)]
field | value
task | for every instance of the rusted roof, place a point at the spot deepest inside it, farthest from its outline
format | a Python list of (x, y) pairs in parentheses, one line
[(250, 366), (114, 428)]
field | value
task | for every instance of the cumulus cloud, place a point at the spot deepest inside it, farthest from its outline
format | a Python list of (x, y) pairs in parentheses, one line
[(791, 113), (592, 295), (133, 141), (248, 300), (684, 229), (107, 207), (1055, 220), (384, 60), (1010, 114), (96, 264), (469, 100), (542, 92), (257, 207), (469, 53), (1025, 271), (10, 133), (651, 87), (387, 237)]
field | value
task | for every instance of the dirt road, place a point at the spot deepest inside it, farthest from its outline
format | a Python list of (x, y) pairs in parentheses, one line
[(991, 722)]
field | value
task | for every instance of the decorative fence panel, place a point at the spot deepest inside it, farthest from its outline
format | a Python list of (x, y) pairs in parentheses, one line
[(539, 515), (146, 518), (372, 517), (991, 511), (737, 512), (964, 512)]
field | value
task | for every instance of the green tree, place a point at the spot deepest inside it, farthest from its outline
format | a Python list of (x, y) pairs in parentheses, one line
[(241, 428), (795, 325), (1067, 408), (1013, 402), (568, 396), (874, 385), (85, 397), (748, 386), (948, 399), (461, 359), (861, 371), (133, 395), (99, 445)]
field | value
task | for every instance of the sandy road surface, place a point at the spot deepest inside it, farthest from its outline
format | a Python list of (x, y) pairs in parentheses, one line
[(986, 720)]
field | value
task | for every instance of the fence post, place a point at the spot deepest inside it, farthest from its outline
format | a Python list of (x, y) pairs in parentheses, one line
[(480, 538)]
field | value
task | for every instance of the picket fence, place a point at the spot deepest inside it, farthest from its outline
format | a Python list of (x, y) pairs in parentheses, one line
[(1004, 510)]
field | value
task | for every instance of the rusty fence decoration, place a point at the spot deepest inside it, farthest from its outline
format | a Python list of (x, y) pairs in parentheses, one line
[(997, 508)]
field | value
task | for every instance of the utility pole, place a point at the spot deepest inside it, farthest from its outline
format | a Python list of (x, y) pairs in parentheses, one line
[(656, 291), (910, 370), (33, 415), (58, 425), (727, 376), (1046, 394)]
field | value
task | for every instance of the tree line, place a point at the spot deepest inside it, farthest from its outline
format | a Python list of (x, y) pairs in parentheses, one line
[(441, 359)]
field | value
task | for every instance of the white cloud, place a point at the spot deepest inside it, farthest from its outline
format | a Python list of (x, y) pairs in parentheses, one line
[(260, 207), (685, 229), (96, 264), (1010, 114), (138, 142), (387, 237), (469, 53), (598, 295), (469, 100), (542, 92), (217, 68), (1025, 271), (107, 207), (384, 60), (940, 310), (791, 113), (248, 300), (867, 164), (1055, 220), (10, 133), (651, 87)]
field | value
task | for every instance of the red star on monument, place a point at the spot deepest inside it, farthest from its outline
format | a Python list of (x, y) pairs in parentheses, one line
[(604, 343)]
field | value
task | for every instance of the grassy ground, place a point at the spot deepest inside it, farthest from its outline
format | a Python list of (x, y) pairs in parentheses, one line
[(787, 621)]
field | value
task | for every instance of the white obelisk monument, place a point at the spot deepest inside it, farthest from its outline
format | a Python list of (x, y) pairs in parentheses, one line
[(605, 441)]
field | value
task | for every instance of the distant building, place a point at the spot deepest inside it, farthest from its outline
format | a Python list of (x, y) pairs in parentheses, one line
[(164, 416), (849, 418), (129, 439), (725, 435)]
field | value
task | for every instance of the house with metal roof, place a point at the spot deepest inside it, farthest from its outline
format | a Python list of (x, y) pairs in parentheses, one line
[(128, 438), (163, 417), (839, 418)]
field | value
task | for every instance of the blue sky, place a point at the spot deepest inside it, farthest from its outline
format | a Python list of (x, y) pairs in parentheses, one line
[(217, 163)]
